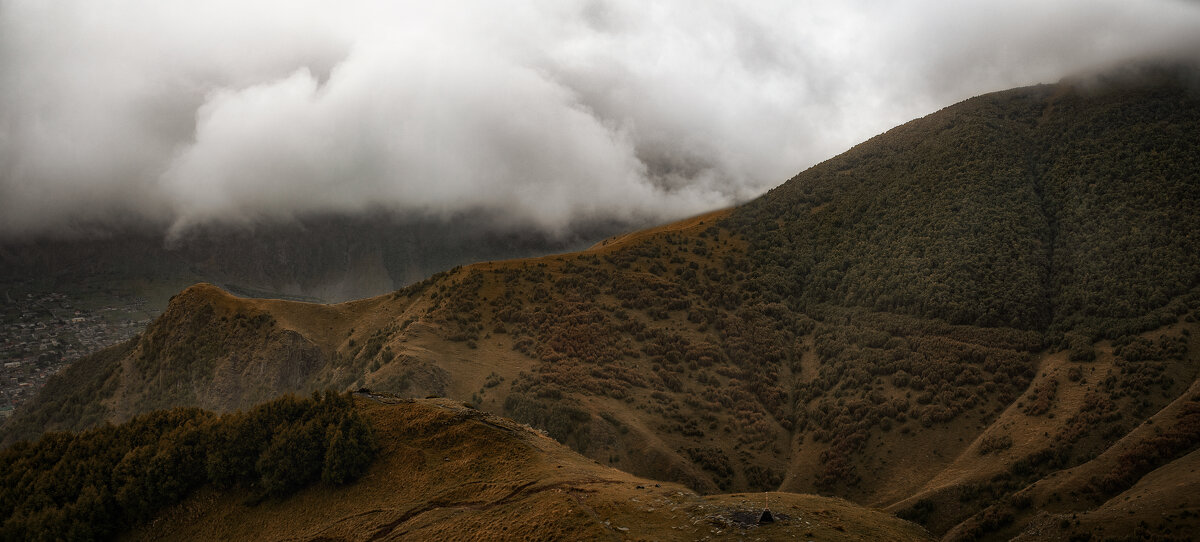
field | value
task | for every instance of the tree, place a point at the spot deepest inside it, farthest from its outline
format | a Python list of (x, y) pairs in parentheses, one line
[(351, 449), (294, 458)]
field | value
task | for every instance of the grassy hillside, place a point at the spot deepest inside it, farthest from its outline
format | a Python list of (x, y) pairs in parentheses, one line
[(938, 320), (449, 472), (372, 468)]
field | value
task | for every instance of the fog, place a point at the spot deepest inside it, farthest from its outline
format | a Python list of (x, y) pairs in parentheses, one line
[(547, 114)]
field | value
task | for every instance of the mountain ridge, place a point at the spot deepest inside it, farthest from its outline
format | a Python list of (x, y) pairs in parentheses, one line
[(875, 328)]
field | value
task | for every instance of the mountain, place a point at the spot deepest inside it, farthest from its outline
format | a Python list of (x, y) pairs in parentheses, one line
[(438, 470), (65, 297), (983, 320)]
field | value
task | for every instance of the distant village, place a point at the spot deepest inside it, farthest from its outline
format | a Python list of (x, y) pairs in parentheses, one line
[(40, 334)]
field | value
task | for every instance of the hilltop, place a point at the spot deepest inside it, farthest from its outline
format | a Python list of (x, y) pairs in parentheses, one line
[(972, 320), (67, 296)]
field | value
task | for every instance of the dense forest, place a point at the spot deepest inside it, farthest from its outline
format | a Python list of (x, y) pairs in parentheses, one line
[(97, 483)]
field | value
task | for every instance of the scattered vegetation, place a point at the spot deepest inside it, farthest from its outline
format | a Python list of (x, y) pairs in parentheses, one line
[(1004, 210), (994, 443), (1167, 444)]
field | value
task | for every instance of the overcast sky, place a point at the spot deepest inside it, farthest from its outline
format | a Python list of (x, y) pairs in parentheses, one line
[(548, 113)]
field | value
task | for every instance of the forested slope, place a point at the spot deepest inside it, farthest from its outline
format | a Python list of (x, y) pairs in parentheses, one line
[(1064, 208)]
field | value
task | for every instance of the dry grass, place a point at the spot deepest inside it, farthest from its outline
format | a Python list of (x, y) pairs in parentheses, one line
[(450, 472), (687, 226)]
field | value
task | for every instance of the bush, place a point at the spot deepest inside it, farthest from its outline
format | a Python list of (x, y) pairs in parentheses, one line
[(994, 443)]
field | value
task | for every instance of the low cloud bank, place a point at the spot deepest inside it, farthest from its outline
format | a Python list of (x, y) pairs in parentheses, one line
[(547, 114)]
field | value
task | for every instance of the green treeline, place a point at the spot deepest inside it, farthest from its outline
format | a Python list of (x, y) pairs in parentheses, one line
[(95, 484)]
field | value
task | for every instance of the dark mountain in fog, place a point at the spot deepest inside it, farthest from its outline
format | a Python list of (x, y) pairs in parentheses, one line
[(328, 258)]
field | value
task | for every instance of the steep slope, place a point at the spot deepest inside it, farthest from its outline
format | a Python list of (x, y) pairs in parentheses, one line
[(1142, 483), (1067, 207), (887, 326)]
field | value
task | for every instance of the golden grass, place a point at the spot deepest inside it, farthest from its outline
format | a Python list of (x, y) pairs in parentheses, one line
[(691, 226)]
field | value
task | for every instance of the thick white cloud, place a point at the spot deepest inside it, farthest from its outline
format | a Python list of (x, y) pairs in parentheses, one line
[(549, 113)]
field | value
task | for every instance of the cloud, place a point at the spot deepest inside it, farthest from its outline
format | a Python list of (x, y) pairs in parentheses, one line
[(550, 114)]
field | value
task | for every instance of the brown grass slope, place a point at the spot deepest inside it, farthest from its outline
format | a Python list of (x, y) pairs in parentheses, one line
[(933, 321), (1082, 437), (450, 472)]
